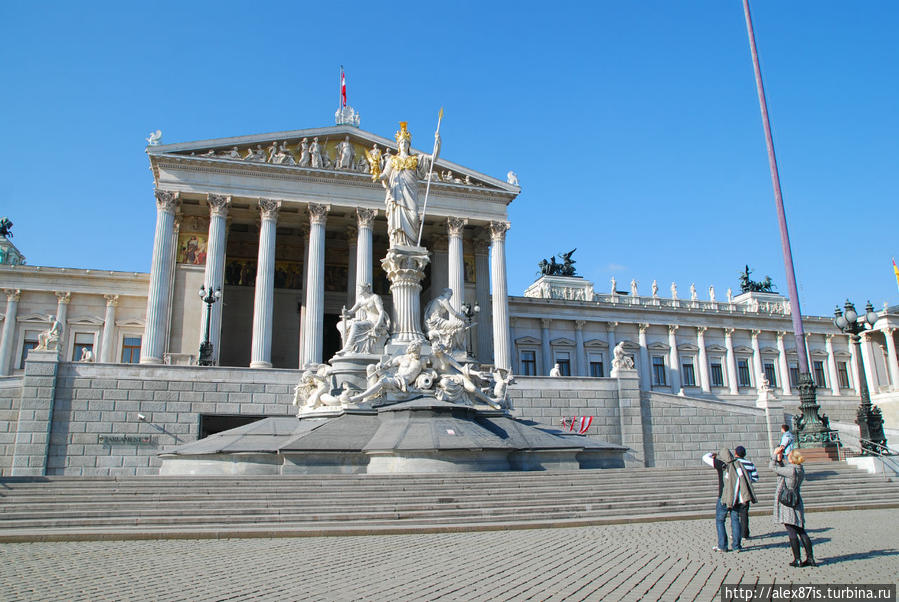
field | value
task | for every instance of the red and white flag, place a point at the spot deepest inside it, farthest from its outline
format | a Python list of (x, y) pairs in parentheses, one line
[(342, 87), (581, 424)]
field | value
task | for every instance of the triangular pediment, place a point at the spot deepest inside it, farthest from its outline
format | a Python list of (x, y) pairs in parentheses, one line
[(742, 349), (562, 342), (716, 348), (527, 341), (596, 344), (284, 151), (658, 347)]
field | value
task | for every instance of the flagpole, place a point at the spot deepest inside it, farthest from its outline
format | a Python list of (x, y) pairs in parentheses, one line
[(796, 314), (340, 89), (424, 209)]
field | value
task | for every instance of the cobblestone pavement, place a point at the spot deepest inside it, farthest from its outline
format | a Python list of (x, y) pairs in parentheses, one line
[(652, 561)]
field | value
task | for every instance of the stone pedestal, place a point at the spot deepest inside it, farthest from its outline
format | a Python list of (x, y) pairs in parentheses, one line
[(35, 414), (351, 367), (405, 267)]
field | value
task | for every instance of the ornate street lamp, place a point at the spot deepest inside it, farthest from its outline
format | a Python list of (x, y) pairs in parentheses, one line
[(868, 417), (470, 311), (208, 297)]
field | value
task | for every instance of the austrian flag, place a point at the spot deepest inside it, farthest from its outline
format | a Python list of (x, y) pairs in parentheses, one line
[(342, 88), (581, 424)]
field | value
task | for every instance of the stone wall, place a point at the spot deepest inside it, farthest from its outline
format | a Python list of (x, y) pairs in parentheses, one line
[(10, 395), (680, 430), (96, 429), (547, 400)]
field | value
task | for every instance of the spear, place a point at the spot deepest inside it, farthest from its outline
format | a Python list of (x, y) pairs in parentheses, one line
[(424, 208)]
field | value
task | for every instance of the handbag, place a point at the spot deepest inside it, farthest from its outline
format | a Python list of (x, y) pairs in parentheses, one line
[(788, 497)]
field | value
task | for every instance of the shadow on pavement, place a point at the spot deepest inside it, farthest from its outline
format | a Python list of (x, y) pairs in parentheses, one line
[(857, 556)]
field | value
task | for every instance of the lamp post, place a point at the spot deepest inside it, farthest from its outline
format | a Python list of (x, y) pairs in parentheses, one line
[(470, 311), (208, 297), (868, 417)]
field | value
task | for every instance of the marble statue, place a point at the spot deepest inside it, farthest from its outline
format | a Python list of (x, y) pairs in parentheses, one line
[(272, 151), (512, 178), (304, 153), (501, 381), (87, 355), (711, 293), (234, 153), (400, 178), (154, 138), (555, 371), (634, 284), (319, 389), (396, 373), (655, 289), (257, 154), (614, 285), (443, 323), (621, 360), (730, 296), (364, 326), (674, 290), (283, 156), (49, 339), (209, 153), (345, 154), (693, 295), (315, 154), (457, 381)]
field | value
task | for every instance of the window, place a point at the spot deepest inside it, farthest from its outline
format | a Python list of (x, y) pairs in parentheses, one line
[(596, 367), (717, 375), (131, 350), (794, 375), (30, 343), (771, 374), (528, 361), (658, 371), (743, 379), (689, 375), (820, 381), (83, 340), (843, 374), (564, 361)]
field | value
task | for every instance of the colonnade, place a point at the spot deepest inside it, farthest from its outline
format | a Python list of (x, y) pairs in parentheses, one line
[(161, 277)]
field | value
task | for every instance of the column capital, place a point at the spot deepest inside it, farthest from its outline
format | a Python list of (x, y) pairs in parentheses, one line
[(755, 333), (455, 226), (167, 200), (729, 332), (828, 337), (672, 328), (700, 330), (365, 217), (111, 300), (545, 322), (64, 297), (643, 328), (781, 334), (352, 232), (269, 208), (498, 231), (219, 204), (12, 294), (318, 213), (579, 324)]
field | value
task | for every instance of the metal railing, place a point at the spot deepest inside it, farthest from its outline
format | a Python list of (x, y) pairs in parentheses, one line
[(879, 451)]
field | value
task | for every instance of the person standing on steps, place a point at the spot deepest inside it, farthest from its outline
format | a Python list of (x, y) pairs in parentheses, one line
[(786, 441), (733, 491), (792, 518), (752, 474)]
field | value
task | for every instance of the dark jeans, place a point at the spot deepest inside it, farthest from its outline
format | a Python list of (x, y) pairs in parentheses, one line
[(721, 512), (744, 519)]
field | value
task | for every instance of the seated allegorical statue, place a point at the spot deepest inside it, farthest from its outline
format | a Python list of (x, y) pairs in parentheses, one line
[(319, 389), (398, 373), (458, 381), (364, 326), (49, 339), (621, 361), (444, 324)]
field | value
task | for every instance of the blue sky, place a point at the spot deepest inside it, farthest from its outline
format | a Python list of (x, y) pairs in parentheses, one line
[(633, 126)]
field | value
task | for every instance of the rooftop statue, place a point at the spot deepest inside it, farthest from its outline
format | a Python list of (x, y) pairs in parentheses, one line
[(554, 268), (747, 285), (399, 177), (5, 228)]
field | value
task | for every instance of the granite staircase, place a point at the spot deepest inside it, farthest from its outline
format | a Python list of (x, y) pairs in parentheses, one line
[(83, 508)]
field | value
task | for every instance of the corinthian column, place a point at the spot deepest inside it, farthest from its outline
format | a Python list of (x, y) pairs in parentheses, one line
[(159, 291), (215, 268), (9, 329), (579, 348), (674, 360), (784, 365), (263, 302), (106, 340), (352, 241), (455, 226), (645, 368), (364, 220), (703, 359), (832, 365), (891, 355), (731, 361), (62, 314), (482, 293), (757, 359), (545, 349), (315, 284), (501, 343)]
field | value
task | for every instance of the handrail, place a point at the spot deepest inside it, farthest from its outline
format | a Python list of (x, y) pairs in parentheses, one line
[(876, 448), (835, 436)]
